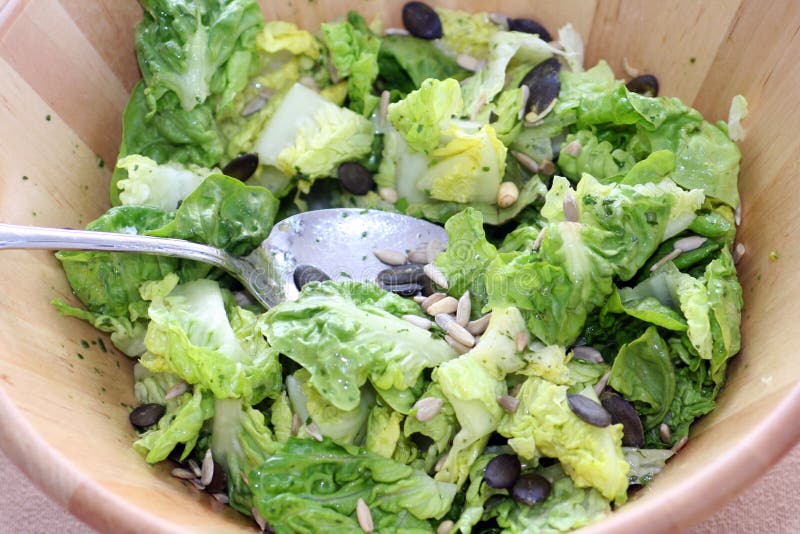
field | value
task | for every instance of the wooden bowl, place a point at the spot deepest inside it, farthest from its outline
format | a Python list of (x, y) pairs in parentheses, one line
[(66, 67)]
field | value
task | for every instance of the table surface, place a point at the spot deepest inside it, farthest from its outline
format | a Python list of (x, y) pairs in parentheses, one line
[(769, 506)]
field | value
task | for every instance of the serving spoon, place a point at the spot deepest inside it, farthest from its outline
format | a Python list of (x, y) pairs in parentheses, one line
[(339, 242)]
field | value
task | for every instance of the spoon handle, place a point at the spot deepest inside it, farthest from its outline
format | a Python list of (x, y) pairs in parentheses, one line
[(33, 237)]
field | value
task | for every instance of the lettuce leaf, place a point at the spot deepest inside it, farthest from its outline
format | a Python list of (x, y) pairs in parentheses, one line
[(405, 62), (161, 186)]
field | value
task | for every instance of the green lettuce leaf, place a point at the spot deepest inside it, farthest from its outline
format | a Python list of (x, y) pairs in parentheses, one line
[(347, 333), (425, 115), (598, 158), (466, 33), (159, 186), (405, 62)]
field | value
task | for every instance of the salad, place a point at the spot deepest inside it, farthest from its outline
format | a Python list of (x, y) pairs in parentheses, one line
[(551, 359)]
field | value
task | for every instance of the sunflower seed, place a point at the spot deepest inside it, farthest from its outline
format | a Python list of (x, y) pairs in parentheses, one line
[(507, 194), (384, 106), (688, 244), (195, 468), (364, 516), (669, 257), (418, 256), (388, 194), (445, 527), (515, 390), (570, 208), (428, 408), (538, 241), (390, 257), (197, 485), (207, 471), (500, 20), (419, 299), (418, 321), (460, 334), (309, 82), (521, 341), (221, 498), (548, 167), (296, 423), (526, 161), (259, 519), (254, 105), (445, 305), (313, 430), (335, 78), (508, 403), (478, 326), (464, 309), (630, 70), (738, 252), (588, 410), (572, 149), (601, 384), (737, 215), (588, 354), (456, 346), (176, 390), (465, 61), (183, 474), (440, 463), (436, 275), (395, 31), (432, 299), (245, 478), (433, 249), (665, 433), (681, 444)]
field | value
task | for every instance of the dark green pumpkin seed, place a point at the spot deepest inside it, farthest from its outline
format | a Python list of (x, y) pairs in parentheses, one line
[(422, 21), (355, 178), (219, 482), (303, 274), (646, 85), (241, 167), (622, 412), (530, 489), (543, 85), (404, 290), (410, 273), (146, 415), (529, 26), (502, 471), (588, 410)]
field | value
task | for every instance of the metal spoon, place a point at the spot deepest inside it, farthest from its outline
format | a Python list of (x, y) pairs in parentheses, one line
[(337, 241)]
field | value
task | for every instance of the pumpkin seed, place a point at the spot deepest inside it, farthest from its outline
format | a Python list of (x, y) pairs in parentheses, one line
[(530, 489), (544, 85), (422, 21), (644, 84), (622, 412), (355, 178), (529, 26), (502, 471), (241, 167), (588, 410)]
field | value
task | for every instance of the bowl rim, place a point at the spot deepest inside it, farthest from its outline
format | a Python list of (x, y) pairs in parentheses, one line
[(718, 482)]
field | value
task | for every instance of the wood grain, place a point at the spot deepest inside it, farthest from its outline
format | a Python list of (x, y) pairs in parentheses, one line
[(63, 418)]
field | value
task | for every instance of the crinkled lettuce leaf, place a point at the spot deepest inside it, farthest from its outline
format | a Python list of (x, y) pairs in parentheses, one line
[(466, 33), (425, 115), (405, 62), (348, 333), (161, 186)]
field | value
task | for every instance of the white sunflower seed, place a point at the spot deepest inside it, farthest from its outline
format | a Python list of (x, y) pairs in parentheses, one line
[(296, 424), (309, 82), (665, 433), (443, 319), (390, 257), (464, 309), (460, 334), (602, 383), (384, 107), (586, 353), (515, 390), (428, 408), (197, 485), (570, 208), (690, 243), (507, 194), (508, 403), (738, 252), (176, 390), (313, 430), (418, 256), (433, 249), (500, 20), (669, 257), (573, 149), (737, 215), (183, 474), (388, 194), (221, 498), (207, 471), (445, 305), (395, 31), (335, 78), (418, 321), (254, 105), (445, 527), (629, 69), (259, 519), (430, 300), (419, 299), (364, 516), (526, 161), (521, 340), (465, 61), (478, 326), (539, 238), (436, 275), (547, 166), (440, 463), (681, 444), (195, 468), (456, 346)]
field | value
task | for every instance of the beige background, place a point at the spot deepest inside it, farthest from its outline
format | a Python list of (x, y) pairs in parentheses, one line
[(769, 506)]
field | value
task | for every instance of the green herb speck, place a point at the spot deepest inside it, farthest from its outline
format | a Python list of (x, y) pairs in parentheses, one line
[(692, 60), (363, 234), (47, 117), (773, 255), (24, 178), (102, 345), (100, 162), (84, 344), (485, 169), (80, 356)]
